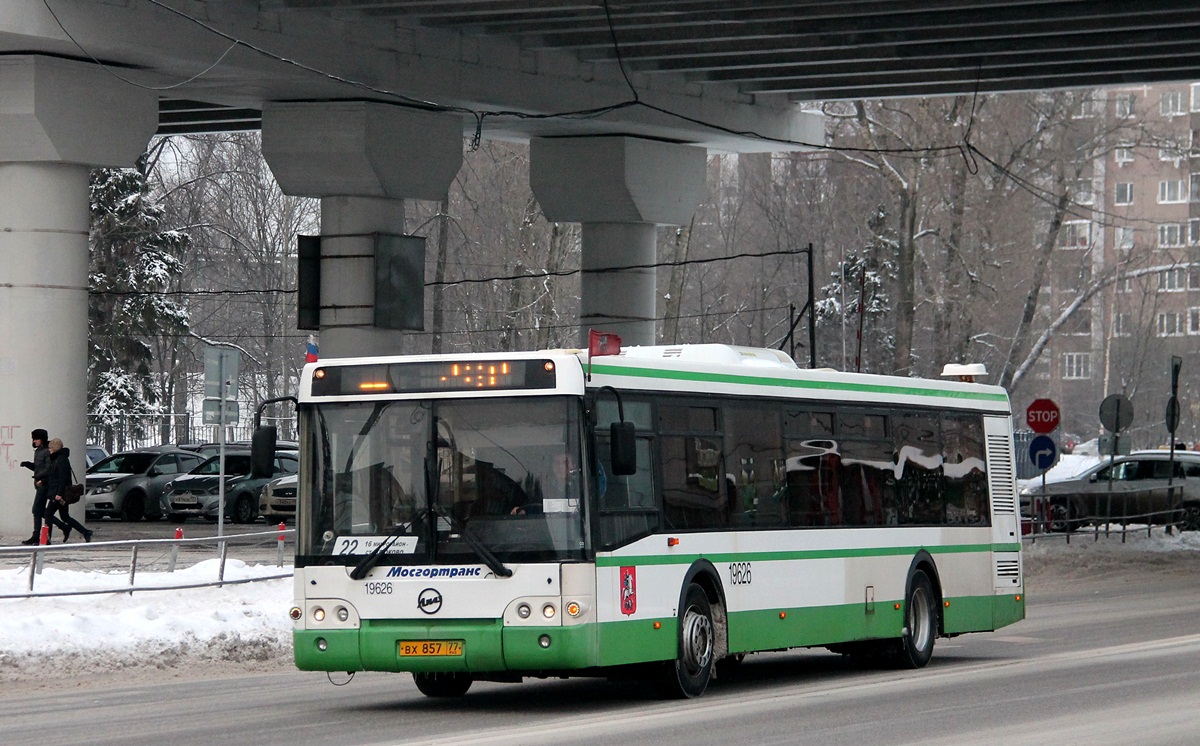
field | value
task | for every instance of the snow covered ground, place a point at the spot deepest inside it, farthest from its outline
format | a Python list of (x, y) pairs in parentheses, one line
[(246, 628), (69, 636)]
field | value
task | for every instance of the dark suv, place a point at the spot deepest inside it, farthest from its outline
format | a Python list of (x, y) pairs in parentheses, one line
[(1144, 489), (129, 485)]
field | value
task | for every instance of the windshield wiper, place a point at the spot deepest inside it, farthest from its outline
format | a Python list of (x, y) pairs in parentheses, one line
[(481, 551), (366, 563)]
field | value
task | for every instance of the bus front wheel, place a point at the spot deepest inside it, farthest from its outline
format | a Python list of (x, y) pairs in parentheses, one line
[(688, 675), (443, 684)]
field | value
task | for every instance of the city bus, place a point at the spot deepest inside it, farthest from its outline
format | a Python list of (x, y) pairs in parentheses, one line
[(654, 515)]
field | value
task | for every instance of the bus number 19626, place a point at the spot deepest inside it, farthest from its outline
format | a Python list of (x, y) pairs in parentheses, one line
[(739, 573)]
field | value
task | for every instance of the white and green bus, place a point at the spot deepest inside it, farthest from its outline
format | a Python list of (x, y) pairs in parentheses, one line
[(656, 514)]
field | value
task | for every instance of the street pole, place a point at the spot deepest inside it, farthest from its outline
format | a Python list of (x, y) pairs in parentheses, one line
[(224, 391)]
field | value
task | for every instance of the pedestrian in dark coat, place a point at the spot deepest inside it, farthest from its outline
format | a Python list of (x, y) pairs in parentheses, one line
[(62, 477), (41, 471)]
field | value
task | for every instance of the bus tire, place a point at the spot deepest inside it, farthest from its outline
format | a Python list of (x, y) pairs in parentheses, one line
[(915, 648), (689, 674), (443, 684)]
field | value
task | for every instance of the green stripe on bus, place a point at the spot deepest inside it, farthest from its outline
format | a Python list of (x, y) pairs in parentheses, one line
[(865, 388), (804, 554), (794, 627)]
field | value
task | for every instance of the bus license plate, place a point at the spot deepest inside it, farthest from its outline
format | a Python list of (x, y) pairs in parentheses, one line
[(430, 647)]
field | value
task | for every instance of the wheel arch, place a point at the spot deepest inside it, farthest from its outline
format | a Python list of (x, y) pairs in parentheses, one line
[(704, 574)]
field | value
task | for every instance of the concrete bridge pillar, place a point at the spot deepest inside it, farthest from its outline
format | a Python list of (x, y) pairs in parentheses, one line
[(362, 159), (620, 189), (58, 119)]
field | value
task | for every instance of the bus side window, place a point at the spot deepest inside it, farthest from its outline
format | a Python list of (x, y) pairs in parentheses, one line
[(694, 490), (628, 509), (810, 467), (754, 453), (920, 493), (965, 465)]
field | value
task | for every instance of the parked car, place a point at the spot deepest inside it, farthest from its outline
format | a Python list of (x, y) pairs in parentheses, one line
[(93, 454), (197, 493), (1143, 489), (278, 500), (130, 485)]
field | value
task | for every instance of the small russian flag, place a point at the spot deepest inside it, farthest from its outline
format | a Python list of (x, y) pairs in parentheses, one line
[(310, 351)]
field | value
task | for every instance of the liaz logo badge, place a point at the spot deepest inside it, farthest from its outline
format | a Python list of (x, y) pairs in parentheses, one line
[(628, 590), (429, 601)]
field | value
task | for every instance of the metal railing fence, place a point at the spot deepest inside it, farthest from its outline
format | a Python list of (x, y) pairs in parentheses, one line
[(1099, 520), (110, 551)]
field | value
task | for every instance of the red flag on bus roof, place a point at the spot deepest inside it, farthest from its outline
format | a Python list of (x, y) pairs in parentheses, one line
[(603, 343)]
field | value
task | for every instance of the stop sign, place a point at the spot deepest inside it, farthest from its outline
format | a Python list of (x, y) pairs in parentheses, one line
[(1042, 416)]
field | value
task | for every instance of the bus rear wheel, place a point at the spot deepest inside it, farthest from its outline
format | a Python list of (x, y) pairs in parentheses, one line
[(915, 648), (443, 684), (691, 671)]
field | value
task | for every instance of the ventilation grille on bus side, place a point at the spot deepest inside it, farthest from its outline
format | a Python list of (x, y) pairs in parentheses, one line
[(1000, 474), (1008, 568)]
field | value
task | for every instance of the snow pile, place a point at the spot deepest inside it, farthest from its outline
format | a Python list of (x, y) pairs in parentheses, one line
[(163, 629)]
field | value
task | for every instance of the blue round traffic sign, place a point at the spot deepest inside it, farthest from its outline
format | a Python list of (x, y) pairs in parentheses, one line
[(1043, 452)]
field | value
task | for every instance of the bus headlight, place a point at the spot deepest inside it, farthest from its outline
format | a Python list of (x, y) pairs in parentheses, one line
[(524, 611), (319, 614), (549, 611), (342, 614)]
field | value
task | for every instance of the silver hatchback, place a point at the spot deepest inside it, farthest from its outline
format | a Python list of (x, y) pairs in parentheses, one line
[(1141, 487)]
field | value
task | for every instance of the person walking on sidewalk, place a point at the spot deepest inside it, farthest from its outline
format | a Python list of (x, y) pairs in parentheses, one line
[(41, 472), (61, 477)]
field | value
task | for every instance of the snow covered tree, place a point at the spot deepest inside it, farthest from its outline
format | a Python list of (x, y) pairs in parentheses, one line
[(133, 258), (858, 296)]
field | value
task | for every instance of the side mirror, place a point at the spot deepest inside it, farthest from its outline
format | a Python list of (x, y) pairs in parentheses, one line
[(262, 451), (623, 456)]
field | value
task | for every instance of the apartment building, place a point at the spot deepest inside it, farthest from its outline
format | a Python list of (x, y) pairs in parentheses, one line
[(1134, 229)]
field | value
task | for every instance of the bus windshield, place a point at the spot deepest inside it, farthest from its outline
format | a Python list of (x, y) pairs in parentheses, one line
[(438, 479)]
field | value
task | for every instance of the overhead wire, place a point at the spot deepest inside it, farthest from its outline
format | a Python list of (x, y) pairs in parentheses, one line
[(487, 330), (481, 280)]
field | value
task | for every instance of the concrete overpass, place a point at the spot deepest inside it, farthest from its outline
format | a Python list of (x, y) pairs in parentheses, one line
[(364, 103)]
